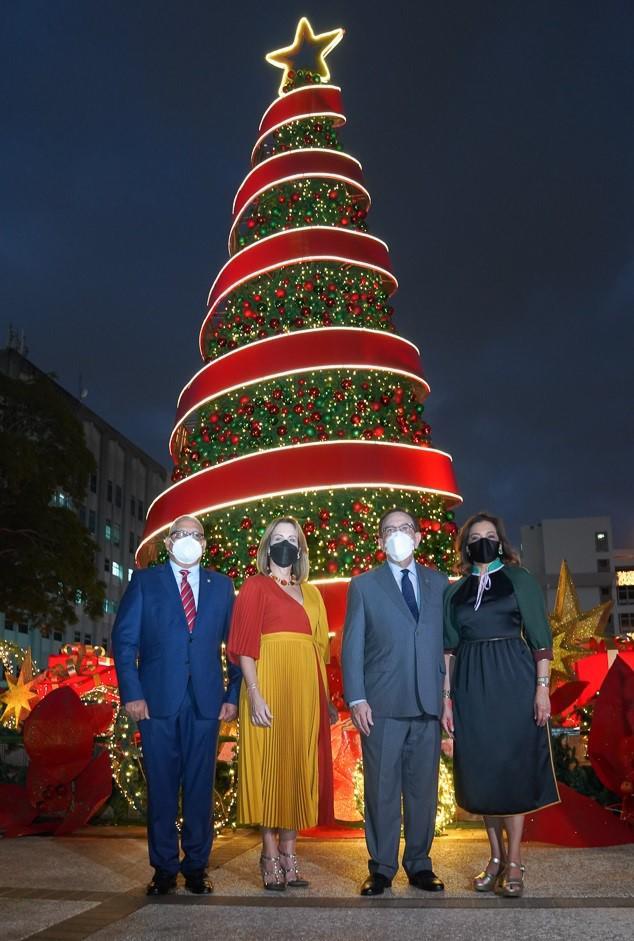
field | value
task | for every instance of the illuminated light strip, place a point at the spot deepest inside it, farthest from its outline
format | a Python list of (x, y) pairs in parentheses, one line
[(297, 246), (382, 352), (298, 101), (276, 338), (251, 181), (393, 466), (624, 577)]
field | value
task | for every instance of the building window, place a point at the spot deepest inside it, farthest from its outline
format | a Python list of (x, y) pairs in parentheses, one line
[(605, 594), (625, 594), (118, 496), (110, 607), (88, 638), (140, 511), (603, 565), (107, 530), (132, 506), (79, 597), (93, 483), (57, 635), (61, 499), (82, 515), (92, 522), (8, 625), (626, 620), (131, 542), (116, 534), (130, 574), (104, 643), (106, 565), (601, 543), (117, 571), (77, 637), (109, 491), (23, 628)]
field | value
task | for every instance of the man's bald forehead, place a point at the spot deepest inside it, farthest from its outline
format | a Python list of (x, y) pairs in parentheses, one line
[(178, 523)]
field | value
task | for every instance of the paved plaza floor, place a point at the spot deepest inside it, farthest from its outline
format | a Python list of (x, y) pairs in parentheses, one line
[(92, 885)]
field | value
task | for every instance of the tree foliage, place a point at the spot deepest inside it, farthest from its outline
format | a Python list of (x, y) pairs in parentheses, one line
[(46, 554)]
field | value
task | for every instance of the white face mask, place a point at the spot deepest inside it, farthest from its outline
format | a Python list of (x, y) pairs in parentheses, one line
[(187, 551), (399, 546)]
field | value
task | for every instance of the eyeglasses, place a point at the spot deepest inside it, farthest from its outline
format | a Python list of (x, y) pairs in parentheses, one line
[(181, 533), (405, 528)]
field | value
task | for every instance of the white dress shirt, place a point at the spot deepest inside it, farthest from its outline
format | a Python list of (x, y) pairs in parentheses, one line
[(193, 577), (396, 570)]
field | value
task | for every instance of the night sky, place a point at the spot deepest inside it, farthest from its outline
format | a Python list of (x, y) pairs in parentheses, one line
[(497, 144)]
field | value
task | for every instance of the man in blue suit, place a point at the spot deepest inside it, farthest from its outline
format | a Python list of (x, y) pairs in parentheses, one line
[(167, 639)]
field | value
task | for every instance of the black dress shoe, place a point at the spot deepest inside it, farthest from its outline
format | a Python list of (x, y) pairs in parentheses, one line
[(375, 884), (163, 883), (198, 882), (427, 880)]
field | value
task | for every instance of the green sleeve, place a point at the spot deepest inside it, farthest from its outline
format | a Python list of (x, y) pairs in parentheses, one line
[(532, 607), (451, 633)]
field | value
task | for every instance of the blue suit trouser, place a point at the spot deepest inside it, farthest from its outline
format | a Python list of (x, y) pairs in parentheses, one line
[(179, 753)]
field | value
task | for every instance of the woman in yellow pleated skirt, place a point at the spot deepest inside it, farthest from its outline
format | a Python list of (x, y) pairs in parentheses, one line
[(279, 636)]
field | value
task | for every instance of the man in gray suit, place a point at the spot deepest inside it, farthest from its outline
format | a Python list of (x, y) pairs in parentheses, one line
[(393, 673)]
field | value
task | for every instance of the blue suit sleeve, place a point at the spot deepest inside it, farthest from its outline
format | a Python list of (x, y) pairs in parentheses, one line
[(353, 646), (126, 635), (234, 673)]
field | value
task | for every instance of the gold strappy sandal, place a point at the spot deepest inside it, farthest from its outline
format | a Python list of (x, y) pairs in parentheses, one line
[(513, 888), (487, 881)]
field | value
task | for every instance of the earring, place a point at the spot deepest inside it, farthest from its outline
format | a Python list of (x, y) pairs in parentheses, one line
[(500, 550), (468, 550)]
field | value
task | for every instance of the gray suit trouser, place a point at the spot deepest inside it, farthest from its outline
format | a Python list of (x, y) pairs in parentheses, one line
[(400, 758)]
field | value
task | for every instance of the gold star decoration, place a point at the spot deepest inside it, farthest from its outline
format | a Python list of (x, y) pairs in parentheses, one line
[(18, 697), (571, 626), (306, 41)]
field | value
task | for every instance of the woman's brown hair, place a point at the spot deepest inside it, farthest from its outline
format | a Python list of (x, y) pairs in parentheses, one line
[(300, 568), (509, 556)]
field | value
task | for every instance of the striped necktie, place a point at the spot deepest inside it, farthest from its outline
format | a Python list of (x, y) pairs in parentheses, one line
[(187, 597)]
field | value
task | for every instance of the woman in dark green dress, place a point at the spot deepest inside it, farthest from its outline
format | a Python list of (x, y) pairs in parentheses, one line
[(497, 706)]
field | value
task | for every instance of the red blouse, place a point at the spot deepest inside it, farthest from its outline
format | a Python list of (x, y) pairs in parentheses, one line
[(262, 607)]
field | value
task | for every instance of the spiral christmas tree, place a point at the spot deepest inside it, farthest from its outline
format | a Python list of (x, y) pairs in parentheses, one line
[(308, 402)]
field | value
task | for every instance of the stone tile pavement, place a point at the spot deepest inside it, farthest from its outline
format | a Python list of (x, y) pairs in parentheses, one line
[(91, 885)]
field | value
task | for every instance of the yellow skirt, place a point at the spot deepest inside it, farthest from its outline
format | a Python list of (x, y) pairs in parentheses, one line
[(278, 782)]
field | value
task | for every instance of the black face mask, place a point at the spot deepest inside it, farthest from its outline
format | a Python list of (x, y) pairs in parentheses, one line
[(284, 553), (483, 550)]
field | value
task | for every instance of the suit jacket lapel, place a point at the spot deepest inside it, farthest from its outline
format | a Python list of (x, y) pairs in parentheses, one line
[(424, 589), (173, 594), (205, 594), (389, 585)]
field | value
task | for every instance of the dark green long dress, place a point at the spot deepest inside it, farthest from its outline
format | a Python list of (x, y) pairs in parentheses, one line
[(502, 759)]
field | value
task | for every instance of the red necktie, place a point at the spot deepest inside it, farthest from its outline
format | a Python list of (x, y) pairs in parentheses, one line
[(187, 597)]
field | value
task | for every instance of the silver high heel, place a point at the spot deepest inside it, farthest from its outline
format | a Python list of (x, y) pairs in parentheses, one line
[(297, 882), (486, 881), (513, 888), (272, 879)]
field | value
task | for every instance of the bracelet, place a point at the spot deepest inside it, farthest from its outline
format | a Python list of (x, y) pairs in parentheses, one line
[(543, 681), (446, 694), (253, 686)]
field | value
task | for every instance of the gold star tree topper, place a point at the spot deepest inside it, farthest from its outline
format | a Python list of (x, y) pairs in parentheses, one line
[(571, 626), (17, 698), (306, 42)]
